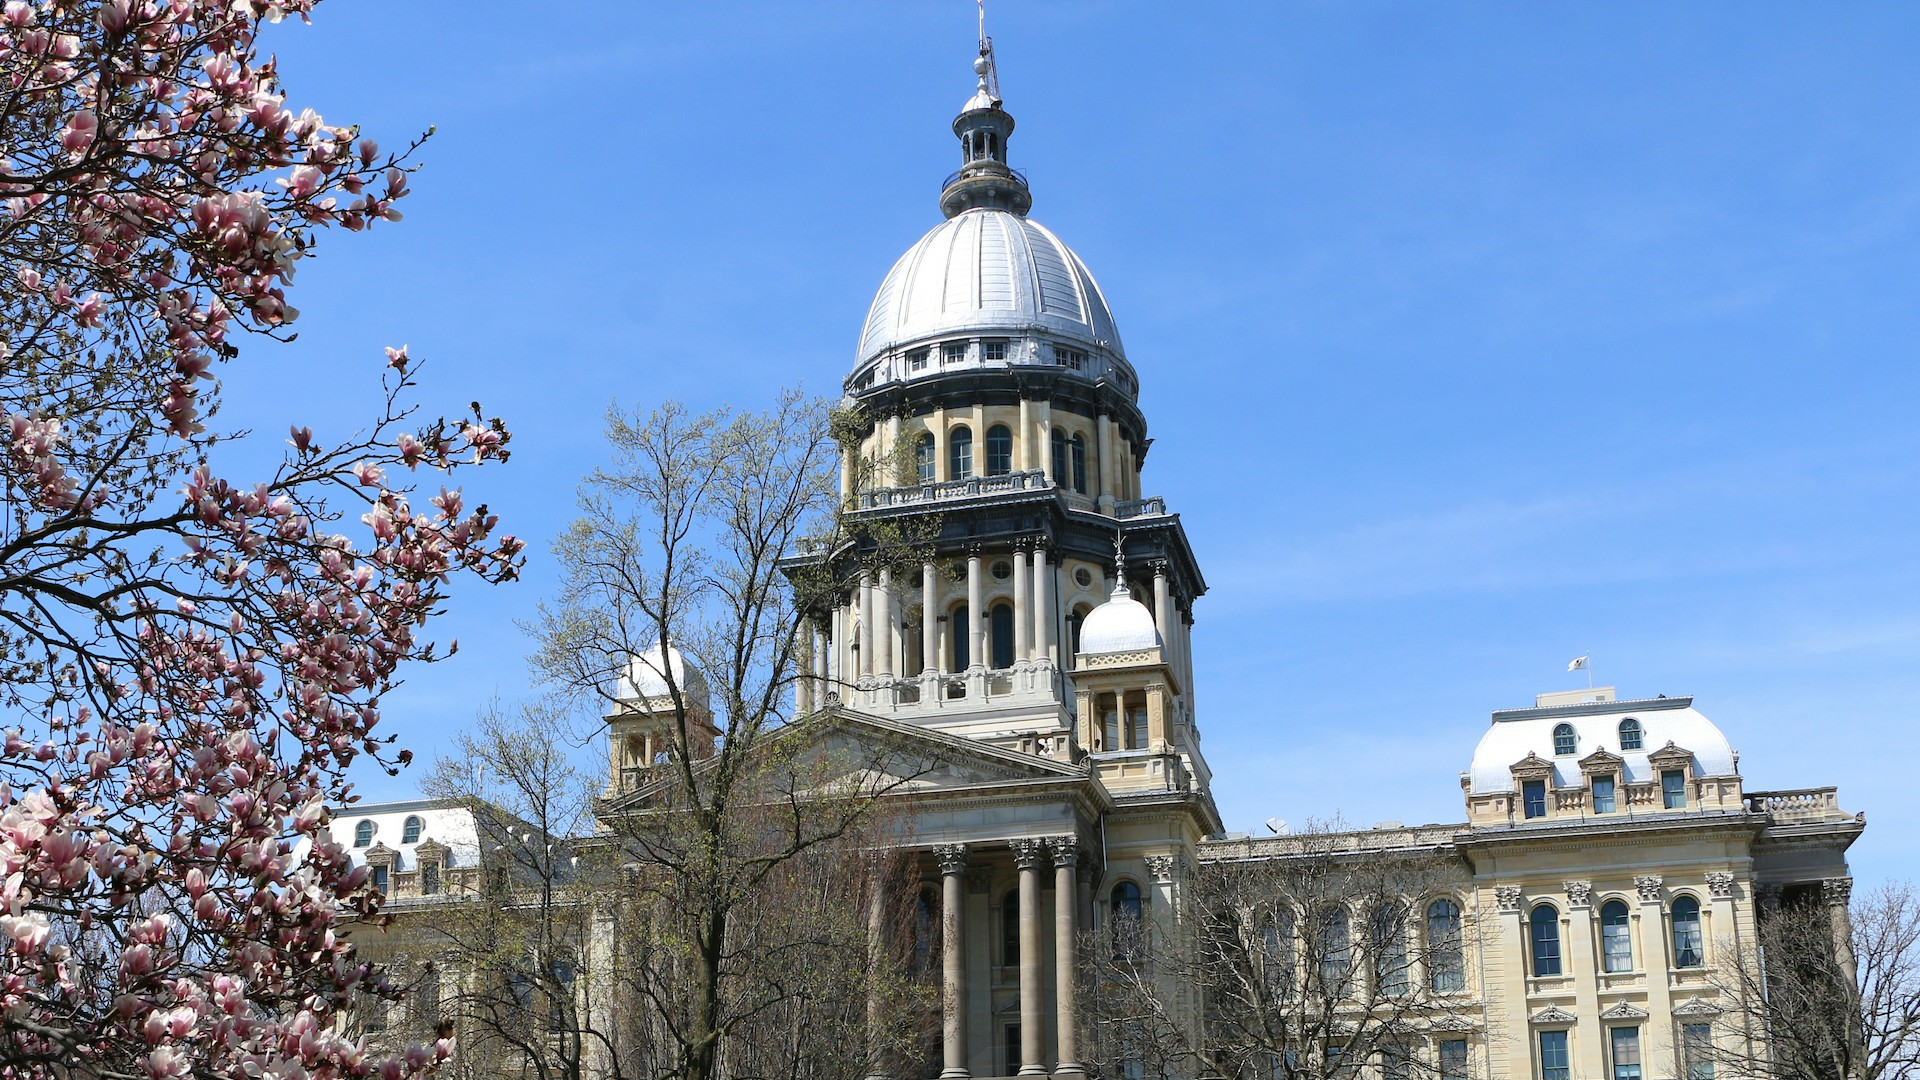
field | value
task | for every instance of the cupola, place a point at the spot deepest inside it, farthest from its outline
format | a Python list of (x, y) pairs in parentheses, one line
[(984, 179)]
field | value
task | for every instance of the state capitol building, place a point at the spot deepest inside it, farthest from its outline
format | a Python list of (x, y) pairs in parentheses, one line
[(1609, 851)]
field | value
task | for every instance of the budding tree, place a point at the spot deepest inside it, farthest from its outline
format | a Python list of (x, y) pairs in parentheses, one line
[(189, 660)]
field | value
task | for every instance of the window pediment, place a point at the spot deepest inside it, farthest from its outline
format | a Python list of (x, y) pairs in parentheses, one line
[(1531, 767), (1624, 1011), (1670, 757), (1553, 1014), (1696, 1007), (381, 853), (1601, 762)]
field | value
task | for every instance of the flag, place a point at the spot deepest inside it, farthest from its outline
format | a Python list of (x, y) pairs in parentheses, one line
[(1578, 663)]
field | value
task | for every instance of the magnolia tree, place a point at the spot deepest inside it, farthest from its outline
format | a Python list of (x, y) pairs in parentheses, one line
[(189, 660)]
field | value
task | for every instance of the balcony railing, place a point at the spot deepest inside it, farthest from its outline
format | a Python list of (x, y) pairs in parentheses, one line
[(1140, 507), (1801, 804), (1016, 175), (1027, 480)]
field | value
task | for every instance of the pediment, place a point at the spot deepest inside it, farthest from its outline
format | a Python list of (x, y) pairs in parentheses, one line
[(1601, 762), (1670, 755), (1696, 1007), (379, 853), (1531, 767), (1624, 1011), (1553, 1014), (1453, 1022)]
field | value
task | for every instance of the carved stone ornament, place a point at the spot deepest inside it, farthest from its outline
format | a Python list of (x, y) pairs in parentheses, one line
[(1624, 1011), (1578, 893), (1531, 767), (1161, 867), (1553, 1014), (1720, 884), (952, 857), (1696, 1007), (1029, 854), (1649, 886), (1836, 890), (1066, 850), (1452, 1022), (1507, 896)]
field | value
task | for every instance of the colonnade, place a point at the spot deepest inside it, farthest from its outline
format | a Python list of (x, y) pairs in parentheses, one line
[(1113, 465)]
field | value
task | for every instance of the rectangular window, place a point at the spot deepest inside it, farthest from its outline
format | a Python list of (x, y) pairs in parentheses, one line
[(1013, 1050), (1533, 798), (1070, 358), (1625, 1050), (952, 352), (429, 878), (1553, 1056), (1696, 1051), (380, 878), (1453, 1059), (993, 350), (1396, 1062), (1673, 789), (917, 360), (1603, 794)]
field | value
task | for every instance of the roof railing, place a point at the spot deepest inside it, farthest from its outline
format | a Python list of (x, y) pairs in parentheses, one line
[(1018, 176)]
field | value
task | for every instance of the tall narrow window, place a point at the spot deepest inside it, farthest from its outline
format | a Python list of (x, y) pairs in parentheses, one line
[(1136, 722), (960, 633), (430, 877), (1078, 449), (1446, 964), (999, 450), (1453, 1059), (1000, 624), (923, 457), (1630, 735), (1396, 1061), (1673, 789), (1336, 949), (960, 453), (1564, 742), (1544, 925), (1280, 953), (363, 833), (1126, 908), (926, 929), (1074, 622), (410, 831), (1387, 934), (1010, 929), (1603, 800), (1553, 1056), (1059, 447), (380, 878), (1625, 1051), (1696, 1051), (1687, 940), (1616, 937), (1533, 798), (1110, 723)]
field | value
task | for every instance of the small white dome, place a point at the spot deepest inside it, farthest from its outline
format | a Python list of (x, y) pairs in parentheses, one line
[(646, 676), (1596, 726), (988, 270), (1122, 624)]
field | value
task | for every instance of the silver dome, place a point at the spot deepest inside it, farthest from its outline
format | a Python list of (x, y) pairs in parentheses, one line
[(989, 270)]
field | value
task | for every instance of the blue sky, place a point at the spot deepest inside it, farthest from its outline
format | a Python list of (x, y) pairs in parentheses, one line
[(1472, 337)]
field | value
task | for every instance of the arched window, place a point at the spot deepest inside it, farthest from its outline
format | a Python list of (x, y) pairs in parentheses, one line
[(1446, 963), (1000, 629), (1074, 622), (960, 637), (1010, 929), (1126, 908), (1687, 947), (363, 833), (1336, 948), (410, 832), (923, 457), (1060, 477), (1616, 937), (999, 450), (960, 453), (1630, 737), (1544, 925), (1387, 940), (1563, 740), (1078, 451)]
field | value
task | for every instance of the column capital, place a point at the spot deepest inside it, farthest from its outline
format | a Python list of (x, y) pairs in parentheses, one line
[(1065, 849), (1649, 886), (1836, 890), (1720, 884), (1507, 897), (1029, 854), (1579, 893), (952, 857)]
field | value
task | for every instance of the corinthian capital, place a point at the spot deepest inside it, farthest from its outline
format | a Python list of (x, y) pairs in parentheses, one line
[(952, 857)]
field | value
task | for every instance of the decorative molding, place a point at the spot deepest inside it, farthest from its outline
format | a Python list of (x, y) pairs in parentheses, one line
[(1624, 1011), (1029, 853), (1453, 1022), (1836, 890), (1553, 1014), (1720, 884), (1649, 886), (952, 858), (1531, 767), (1579, 893), (1670, 755), (1696, 1007), (1601, 762), (1161, 867), (1507, 896), (1065, 849)]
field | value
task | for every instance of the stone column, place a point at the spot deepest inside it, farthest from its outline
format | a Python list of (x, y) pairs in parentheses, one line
[(1657, 938), (953, 960), (1043, 435), (867, 620), (929, 617), (1023, 440), (1163, 614), (889, 455), (1028, 855), (938, 424), (803, 669), (1103, 451), (1066, 934), (1579, 961), (976, 622), (1042, 605), (1837, 891), (876, 961), (884, 626), (1022, 610)]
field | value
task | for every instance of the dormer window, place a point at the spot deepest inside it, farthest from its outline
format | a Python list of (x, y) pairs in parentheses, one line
[(1673, 789), (1564, 742), (381, 874), (363, 833), (993, 349), (1533, 798), (410, 832), (1603, 797), (952, 352), (1630, 734)]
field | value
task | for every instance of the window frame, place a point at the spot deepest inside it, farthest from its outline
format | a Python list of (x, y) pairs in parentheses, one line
[(1689, 951), (960, 452), (999, 457), (925, 458), (1454, 1066), (989, 346), (1562, 1049), (1628, 1034), (1446, 944), (1610, 794), (1533, 797), (413, 829), (1616, 937), (1126, 918), (1539, 958), (1673, 789), (363, 831), (1697, 1051), (953, 352), (1000, 636), (1566, 741), (1639, 737)]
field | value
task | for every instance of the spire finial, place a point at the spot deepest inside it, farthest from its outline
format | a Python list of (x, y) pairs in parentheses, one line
[(1119, 563), (984, 179)]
